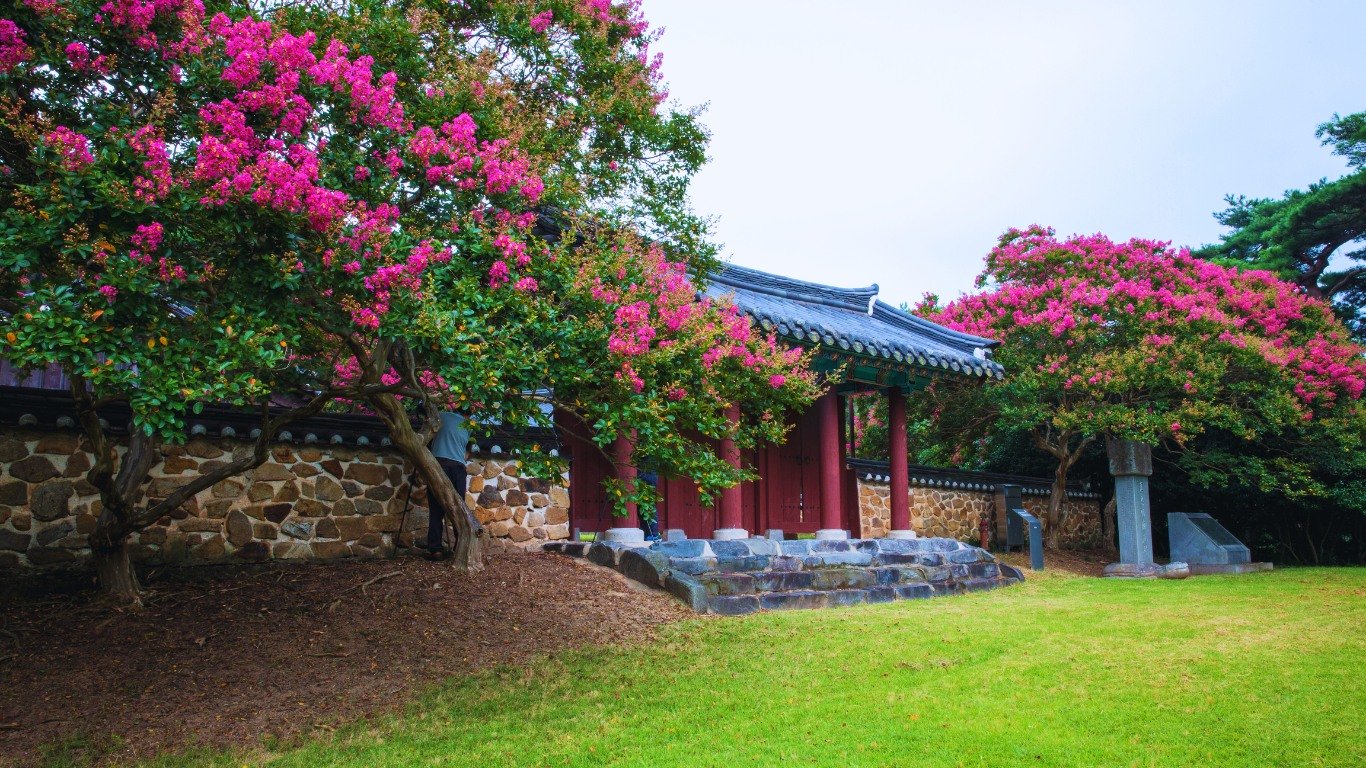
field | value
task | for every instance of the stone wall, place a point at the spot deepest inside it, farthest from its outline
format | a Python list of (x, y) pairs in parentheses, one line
[(954, 513), (518, 512), (305, 502)]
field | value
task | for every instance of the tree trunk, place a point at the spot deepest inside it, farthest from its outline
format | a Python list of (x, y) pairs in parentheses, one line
[(1109, 517), (1052, 526), (114, 568), (469, 555)]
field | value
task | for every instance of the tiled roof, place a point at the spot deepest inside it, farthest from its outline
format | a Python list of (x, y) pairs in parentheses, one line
[(851, 321)]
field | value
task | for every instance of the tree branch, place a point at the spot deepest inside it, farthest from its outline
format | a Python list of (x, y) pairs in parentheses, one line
[(270, 427), (1344, 281)]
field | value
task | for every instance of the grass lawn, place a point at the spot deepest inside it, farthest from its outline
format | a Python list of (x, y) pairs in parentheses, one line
[(1264, 669)]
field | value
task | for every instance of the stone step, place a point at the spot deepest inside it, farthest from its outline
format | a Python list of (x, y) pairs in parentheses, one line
[(795, 599), (821, 580), (739, 577)]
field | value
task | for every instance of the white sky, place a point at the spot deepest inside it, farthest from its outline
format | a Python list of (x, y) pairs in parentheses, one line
[(892, 142)]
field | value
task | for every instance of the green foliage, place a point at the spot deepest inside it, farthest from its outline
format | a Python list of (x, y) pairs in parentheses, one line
[(1314, 237)]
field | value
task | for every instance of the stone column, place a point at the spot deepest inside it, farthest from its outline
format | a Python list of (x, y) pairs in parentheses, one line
[(831, 462), (626, 529), (732, 510), (1132, 464), (896, 451)]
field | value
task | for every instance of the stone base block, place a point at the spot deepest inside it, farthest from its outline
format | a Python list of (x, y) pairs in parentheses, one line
[(644, 566), (1206, 569), (831, 534), (1133, 570), (729, 534), (842, 578), (737, 605), (902, 535), (687, 589), (912, 591), (723, 584), (775, 601), (881, 594), (779, 581), (846, 597), (624, 535)]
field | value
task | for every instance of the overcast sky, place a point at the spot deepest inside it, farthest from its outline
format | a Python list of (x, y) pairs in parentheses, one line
[(892, 142)]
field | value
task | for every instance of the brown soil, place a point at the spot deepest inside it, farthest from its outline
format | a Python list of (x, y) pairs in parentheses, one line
[(1068, 561), (225, 656)]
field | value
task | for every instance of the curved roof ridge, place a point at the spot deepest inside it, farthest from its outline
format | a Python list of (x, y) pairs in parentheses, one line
[(856, 299), (910, 322)]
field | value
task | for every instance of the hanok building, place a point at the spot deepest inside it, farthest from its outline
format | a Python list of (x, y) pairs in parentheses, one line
[(806, 484)]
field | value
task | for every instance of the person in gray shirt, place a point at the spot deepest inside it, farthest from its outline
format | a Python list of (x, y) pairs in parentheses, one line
[(449, 446)]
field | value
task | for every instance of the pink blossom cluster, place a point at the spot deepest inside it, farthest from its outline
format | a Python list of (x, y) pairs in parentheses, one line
[(136, 17), (405, 276), (73, 147), (626, 15), (78, 56), (347, 373), (374, 101), (156, 180), (268, 67), (542, 21), (44, 7), (452, 154), (146, 239), (1087, 288), (13, 49), (263, 144), (240, 157), (659, 309)]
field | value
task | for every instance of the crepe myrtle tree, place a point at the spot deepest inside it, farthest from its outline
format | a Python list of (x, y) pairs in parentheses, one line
[(507, 302), (613, 334), (132, 259), (215, 207), (477, 299), (676, 366), (1141, 342)]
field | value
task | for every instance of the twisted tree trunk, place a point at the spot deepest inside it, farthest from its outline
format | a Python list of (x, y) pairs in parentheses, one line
[(1109, 525), (120, 482), (1058, 444), (469, 550)]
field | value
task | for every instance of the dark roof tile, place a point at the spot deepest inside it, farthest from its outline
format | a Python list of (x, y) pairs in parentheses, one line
[(851, 320)]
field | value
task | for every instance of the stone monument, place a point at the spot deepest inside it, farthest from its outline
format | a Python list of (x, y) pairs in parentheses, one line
[(1207, 546), (1131, 463)]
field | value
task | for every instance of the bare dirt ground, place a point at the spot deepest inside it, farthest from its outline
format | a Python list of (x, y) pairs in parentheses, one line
[(1071, 562), (226, 656)]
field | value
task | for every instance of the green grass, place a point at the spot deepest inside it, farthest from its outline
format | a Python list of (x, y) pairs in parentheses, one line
[(1265, 669)]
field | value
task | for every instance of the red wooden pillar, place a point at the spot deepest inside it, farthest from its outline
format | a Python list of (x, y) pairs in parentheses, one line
[(732, 507), (625, 528), (896, 437), (831, 462)]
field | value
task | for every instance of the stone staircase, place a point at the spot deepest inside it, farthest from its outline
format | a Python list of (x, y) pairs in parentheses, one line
[(747, 575)]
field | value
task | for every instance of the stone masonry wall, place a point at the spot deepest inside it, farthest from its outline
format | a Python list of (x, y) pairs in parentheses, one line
[(306, 502), (954, 513)]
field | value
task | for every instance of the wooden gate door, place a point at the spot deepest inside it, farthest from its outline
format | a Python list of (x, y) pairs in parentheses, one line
[(589, 509), (792, 483), (681, 507)]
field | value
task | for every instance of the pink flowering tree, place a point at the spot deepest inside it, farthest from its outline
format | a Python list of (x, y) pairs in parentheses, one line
[(345, 202), (152, 242), (1142, 342), (676, 366)]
